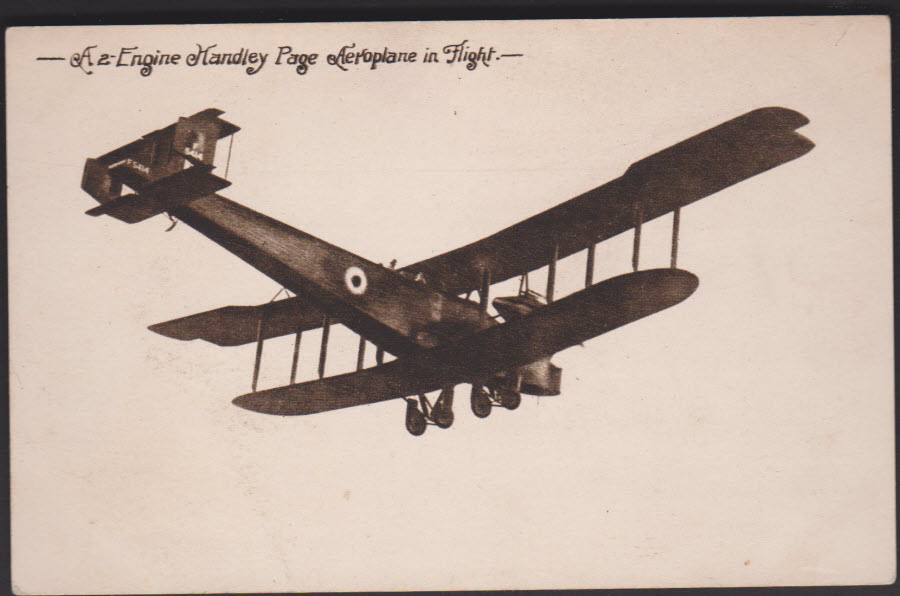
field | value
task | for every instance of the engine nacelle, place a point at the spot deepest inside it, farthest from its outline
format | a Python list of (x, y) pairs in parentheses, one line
[(541, 378), (513, 307)]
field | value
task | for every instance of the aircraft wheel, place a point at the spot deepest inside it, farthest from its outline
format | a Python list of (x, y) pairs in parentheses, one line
[(510, 399), (443, 417), (481, 403), (415, 419)]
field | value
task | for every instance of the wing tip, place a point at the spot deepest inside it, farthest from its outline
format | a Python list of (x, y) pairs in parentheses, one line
[(766, 135), (175, 332), (805, 144), (261, 404), (776, 117), (164, 329), (245, 402)]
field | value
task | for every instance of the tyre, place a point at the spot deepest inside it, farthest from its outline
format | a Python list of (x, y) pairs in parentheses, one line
[(415, 419), (443, 417), (481, 403), (510, 399)]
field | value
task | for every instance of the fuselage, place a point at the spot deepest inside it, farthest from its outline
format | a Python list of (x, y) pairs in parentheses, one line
[(395, 312)]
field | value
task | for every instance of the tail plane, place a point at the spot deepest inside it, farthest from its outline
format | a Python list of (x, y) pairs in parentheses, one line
[(165, 169)]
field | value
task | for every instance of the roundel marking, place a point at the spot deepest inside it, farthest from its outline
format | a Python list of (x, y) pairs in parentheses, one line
[(355, 280)]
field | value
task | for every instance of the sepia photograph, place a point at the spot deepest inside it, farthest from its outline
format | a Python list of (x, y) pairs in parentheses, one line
[(451, 305)]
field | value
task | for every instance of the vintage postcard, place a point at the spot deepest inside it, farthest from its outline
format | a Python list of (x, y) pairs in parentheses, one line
[(451, 305)]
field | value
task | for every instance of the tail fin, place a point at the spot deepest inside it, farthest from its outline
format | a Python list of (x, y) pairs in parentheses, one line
[(97, 181), (196, 137)]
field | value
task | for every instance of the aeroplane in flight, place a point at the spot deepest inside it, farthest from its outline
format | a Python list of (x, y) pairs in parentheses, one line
[(421, 313)]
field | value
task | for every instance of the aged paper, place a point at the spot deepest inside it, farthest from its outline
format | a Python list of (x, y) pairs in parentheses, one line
[(743, 437)]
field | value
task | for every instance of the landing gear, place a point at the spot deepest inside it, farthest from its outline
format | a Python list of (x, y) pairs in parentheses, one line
[(440, 414), (420, 413), (415, 419), (481, 401), (510, 398), (443, 417)]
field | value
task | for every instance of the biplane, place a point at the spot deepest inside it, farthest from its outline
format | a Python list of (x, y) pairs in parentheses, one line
[(422, 314)]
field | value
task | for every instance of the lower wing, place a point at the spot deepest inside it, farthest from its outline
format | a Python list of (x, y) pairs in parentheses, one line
[(239, 325), (569, 321)]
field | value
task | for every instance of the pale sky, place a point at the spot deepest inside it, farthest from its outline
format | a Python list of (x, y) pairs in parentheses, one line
[(743, 437)]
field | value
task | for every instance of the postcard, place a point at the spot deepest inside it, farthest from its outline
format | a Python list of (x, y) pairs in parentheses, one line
[(451, 305)]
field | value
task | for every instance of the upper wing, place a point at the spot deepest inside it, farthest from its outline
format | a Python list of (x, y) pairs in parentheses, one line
[(674, 177), (238, 325), (569, 321)]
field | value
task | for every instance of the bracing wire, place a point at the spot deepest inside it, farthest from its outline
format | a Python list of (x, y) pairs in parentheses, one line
[(278, 293), (228, 161)]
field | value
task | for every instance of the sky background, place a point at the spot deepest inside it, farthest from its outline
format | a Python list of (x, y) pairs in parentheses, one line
[(743, 437)]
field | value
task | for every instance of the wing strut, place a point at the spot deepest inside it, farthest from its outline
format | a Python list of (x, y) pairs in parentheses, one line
[(296, 354), (589, 268), (484, 292), (638, 217), (323, 351), (361, 355), (676, 220), (259, 347), (551, 273)]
